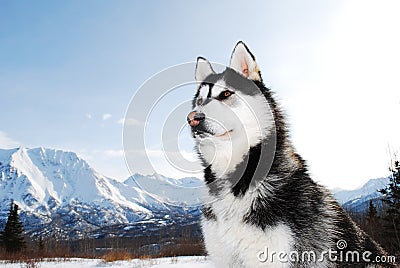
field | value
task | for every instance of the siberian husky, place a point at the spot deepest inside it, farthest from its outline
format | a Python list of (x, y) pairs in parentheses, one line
[(262, 209)]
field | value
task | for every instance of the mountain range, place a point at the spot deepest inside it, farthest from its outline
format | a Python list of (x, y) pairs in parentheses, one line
[(59, 194), (358, 199)]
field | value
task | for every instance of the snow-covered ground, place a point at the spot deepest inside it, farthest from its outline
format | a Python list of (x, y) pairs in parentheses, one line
[(178, 262)]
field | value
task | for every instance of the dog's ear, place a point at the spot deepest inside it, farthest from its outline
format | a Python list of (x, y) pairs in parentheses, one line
[(243, 62), (203, 69)]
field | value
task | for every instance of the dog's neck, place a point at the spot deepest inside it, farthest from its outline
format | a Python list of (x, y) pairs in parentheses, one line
[(254, 167)]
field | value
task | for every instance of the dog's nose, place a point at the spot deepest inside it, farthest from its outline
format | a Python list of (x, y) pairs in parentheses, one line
[(194, 118)]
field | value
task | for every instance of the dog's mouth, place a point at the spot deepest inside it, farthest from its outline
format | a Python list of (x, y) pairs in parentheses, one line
[(225, 134)]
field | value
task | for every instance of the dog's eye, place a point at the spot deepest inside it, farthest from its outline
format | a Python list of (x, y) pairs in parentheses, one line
[(225, 94)]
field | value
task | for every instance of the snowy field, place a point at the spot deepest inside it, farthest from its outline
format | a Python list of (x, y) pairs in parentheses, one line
[(178, 262)]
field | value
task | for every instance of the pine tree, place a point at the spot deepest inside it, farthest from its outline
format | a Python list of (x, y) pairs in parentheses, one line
[(372, 213), (12, 236), (41, 245), (372, 220), (391, 197)]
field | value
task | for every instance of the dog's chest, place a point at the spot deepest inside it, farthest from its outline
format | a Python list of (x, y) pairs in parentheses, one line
[(229, 235)]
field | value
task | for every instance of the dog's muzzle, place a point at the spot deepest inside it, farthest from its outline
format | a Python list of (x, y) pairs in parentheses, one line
[(194, 118)]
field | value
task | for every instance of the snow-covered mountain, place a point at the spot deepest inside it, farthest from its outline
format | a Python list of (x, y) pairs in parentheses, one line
[(358, 199), (59, 190)]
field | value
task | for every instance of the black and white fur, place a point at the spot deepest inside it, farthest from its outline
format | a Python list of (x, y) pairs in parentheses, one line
[(279, 207)]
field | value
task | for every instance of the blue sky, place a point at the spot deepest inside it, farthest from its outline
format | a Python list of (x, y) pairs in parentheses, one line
[(68, 70)]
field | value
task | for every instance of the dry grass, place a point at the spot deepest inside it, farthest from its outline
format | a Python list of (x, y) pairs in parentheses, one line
[(144, 257), (126, 249), (117, 255), (184, 248)]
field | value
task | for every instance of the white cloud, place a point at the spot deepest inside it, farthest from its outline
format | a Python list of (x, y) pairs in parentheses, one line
[(129, 122), (88, 116), (106, 116), (6, 142)]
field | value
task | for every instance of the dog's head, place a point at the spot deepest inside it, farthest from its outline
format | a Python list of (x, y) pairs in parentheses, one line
[(230, 111)]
